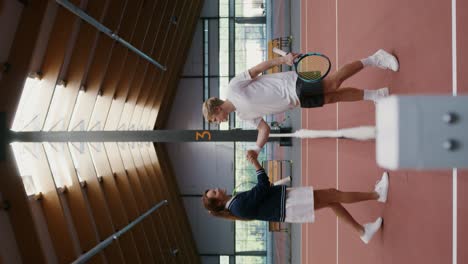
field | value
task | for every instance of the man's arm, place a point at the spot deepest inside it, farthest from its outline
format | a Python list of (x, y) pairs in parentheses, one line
[(259, 68), (263, 133), (262, 138)]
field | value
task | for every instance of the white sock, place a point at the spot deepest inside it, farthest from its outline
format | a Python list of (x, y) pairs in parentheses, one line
[(370, 95), (369, 61)]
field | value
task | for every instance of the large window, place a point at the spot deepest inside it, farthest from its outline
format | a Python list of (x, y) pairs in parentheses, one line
[(250, 43), (243, 42)]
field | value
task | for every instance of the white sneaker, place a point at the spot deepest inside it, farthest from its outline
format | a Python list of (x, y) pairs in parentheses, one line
[(382, 188), (385, 60), (370, 229)]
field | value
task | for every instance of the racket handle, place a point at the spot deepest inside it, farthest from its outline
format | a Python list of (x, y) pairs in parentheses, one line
[(280, 52), (284, 181)]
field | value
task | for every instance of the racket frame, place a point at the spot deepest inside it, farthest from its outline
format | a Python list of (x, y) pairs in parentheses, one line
[(302, 56), (305, 55)]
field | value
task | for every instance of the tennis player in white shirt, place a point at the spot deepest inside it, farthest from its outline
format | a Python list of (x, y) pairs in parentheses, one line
[(253, 96)]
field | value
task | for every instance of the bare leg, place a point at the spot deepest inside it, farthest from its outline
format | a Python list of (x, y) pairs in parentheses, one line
[(325, 197), (347, 71), (332, 82), (355, 197), (344, 215), (344, 95), (333, 198)]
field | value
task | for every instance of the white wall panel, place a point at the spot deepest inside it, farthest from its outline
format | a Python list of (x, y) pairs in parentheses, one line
[(194, 62), (212, 235), (186, 110), (211, 165), (199, 166), (210, 8)]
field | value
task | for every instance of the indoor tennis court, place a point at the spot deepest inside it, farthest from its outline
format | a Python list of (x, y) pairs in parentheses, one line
[(426, 210), (106, 157)]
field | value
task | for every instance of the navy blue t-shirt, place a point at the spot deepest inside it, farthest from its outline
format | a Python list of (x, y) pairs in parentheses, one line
[(262, 202)]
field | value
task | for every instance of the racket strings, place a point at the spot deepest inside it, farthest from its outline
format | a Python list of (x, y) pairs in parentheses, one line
[(313, 67)]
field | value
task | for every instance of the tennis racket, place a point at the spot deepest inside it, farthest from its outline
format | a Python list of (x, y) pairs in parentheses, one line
[(310, 67)]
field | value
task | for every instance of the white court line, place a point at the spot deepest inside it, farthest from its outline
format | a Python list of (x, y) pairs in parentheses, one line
[(454, 170), (337, 140), (306, 240), (454, 216)]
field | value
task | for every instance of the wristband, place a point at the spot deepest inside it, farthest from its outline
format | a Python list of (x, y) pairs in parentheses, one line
[(256, 149)]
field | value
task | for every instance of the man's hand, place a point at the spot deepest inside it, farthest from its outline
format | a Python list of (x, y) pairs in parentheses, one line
[(263, 66), (290, 57)]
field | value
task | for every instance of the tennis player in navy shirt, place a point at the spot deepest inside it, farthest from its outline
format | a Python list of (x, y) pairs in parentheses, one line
[(292, 205)]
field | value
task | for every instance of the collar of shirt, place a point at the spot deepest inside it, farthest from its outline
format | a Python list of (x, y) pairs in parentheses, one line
[(228, 202)]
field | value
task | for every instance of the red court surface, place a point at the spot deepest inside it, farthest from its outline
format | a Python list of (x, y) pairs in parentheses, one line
[(418, 218)]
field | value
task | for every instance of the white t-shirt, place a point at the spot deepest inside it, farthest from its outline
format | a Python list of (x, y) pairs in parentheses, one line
[(264, 95)]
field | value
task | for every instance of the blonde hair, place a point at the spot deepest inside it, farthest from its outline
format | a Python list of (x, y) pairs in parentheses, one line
[(209, 107), (216, 209)]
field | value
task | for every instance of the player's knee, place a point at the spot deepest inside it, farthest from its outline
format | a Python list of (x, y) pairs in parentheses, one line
[(333, 191), (334, 205), (331, 98), (331, 85)]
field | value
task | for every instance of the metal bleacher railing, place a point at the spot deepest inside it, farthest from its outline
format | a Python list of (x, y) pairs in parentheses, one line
[(77, 11), (99, 247)]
